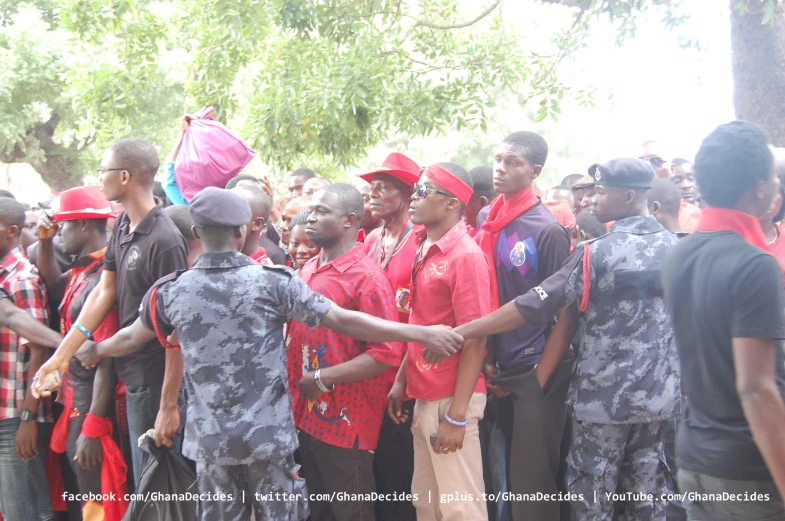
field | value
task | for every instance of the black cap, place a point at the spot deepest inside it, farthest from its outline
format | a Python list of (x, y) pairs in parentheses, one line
[(218, 207), (624, 172)]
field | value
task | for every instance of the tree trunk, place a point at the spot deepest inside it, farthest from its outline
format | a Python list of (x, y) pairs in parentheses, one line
[(55, 164), (758, 60)]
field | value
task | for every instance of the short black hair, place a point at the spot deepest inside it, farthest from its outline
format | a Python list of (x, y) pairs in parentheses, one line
[(305, 173), (12, 212), (181, 218), (680, 161), (482, 182), (570, 180), (534, 145), (233, 182), (461, 173), (350, 198), (256, 197), (589, 224), (138, 156), (6, 193), (731, 161), (299, 219), (667, 193)]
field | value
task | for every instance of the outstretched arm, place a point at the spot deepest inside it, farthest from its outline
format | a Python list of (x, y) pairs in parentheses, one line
[(25, 325), (372, 329), (125, 342)]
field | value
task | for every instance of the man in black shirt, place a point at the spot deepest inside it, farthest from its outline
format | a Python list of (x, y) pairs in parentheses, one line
[(724, 294), (144, 247)]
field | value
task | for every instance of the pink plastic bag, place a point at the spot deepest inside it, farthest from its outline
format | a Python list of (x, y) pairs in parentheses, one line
[(210, 155)]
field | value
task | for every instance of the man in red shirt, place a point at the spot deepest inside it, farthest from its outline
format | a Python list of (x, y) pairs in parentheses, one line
[(392, 248), (451, 286), (85, 427), (260, 213), (342, 393)]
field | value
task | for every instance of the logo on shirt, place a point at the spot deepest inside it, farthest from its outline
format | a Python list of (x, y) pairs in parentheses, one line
[(518, 254), (541, 293), (134, 254)]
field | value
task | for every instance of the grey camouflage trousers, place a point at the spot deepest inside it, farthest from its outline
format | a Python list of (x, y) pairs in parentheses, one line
[(268, 488), (627, 458)]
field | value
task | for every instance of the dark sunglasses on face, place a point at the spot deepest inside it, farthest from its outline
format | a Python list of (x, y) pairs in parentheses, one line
[(654, 160), (422, 191)]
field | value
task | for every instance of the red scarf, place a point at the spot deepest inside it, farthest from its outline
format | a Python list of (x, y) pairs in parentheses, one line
[(113, 468), (725, 219), (503, 211)]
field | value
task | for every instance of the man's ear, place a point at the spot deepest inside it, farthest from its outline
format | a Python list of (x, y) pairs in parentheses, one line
[(581, 235), (350, 219), (655, 208), (484, 202), (195, 231), (537, 170), (13, 231)]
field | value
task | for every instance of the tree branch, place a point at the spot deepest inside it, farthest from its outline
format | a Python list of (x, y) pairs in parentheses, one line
[(422, 23)]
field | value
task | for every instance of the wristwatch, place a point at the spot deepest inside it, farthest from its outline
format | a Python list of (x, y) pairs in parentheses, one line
[(27, 415)]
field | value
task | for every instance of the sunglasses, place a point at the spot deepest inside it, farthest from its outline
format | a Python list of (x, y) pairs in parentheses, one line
[(653, 160), (422, 191)]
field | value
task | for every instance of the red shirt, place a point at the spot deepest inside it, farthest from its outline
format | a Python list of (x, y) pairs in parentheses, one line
[(452, 287), (689, 216), (354, 410), (399, 267), (261, 258)]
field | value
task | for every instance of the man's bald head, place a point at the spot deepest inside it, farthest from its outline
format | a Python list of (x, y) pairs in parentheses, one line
[(292, 208), (258, 200)]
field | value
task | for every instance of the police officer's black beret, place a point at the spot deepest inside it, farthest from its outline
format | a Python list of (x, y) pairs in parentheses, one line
[(218, 207), (624, 172)]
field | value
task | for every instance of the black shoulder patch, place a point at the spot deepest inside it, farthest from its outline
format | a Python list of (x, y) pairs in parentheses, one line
[(168, 278)]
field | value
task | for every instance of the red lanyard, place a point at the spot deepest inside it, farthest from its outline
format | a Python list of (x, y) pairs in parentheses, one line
[(70, 292)]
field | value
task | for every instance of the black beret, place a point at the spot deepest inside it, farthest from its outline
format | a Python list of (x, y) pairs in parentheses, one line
[(624, 172), (218, 207)]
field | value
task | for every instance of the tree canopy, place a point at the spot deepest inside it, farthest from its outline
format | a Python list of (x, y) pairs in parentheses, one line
[(305, 81)]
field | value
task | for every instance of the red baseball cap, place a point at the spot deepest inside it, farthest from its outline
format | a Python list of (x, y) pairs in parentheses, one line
[(84, 202), (398, 166)]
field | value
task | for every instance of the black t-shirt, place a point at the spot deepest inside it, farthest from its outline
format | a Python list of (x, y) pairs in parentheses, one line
[(153, 250), (718, 287), (275, 253)]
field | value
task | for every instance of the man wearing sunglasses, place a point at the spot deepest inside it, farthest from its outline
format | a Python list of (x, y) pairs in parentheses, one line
[(652, 152), (689, 213), (450, 285)]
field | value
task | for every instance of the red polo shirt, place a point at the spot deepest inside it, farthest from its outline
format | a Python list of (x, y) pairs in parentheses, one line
[(451, 287), (399, 268), (355, 409)]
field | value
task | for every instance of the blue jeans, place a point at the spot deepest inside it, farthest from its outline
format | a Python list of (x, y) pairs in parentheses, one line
[(142, 404), (24, 493)]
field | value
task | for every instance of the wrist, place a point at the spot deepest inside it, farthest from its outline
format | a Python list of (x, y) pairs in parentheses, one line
[(27, 415), (327, 378), (459, 420)]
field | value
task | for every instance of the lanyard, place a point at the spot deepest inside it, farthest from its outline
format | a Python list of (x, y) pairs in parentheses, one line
[(70, 292), (419, 264), (385, 258)]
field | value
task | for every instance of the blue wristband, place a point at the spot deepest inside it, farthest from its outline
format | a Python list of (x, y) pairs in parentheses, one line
[(464, 423), (83, 330)]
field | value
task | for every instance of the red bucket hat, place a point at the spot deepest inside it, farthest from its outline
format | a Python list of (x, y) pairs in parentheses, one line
[(398, 166), (84, 202)]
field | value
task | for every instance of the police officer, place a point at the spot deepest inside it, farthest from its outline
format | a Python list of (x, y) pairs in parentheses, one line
[(229, 314), (626, 380)]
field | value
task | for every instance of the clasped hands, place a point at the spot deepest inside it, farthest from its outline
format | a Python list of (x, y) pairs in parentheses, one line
[(440, 342)]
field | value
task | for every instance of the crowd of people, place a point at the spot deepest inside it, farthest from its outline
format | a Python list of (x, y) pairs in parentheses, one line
[(428, 343)]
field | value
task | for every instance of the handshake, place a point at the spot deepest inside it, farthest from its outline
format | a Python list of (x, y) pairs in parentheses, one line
[(440, 342)]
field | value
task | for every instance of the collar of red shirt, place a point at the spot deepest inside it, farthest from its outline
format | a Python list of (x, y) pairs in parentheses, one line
[(261, 252), (448, 240), (341, 264), (11, 259), (87, 260)]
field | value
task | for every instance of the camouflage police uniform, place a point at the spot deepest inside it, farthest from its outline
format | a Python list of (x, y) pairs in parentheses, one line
[(229, 313), (626, 381)]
